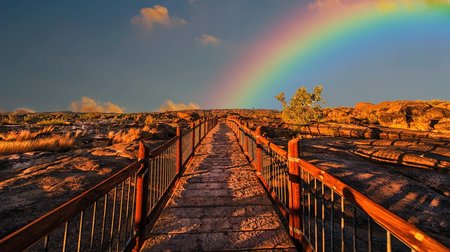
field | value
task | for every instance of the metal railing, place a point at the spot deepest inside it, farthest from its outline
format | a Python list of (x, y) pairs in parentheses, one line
[(324, 213), (114, 214)]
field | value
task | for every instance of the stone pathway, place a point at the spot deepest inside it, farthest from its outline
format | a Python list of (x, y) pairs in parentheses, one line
[(219, 205)]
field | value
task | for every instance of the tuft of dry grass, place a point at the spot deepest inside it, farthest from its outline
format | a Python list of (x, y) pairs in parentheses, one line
[(51, 143), (25, 134), (131, 135)]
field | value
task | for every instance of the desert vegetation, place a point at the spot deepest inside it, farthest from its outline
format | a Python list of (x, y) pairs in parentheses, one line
[(303, 106), (52, 143)]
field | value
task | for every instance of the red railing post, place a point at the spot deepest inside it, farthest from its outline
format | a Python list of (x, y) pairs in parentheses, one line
[(199, 130), (259, 161), (140, 215), (193, 138), (179, 151), (245, 143), (294, 189)]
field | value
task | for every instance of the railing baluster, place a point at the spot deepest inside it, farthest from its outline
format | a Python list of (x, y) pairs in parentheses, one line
[(316, 244), (342, 223), (323, 216), (46, 243), (94, 213), (111, 231), (127, 216), (354, 228), (105, 207), (64, 245), (119, 228), (369, 234), (80, 231), (388, 241), (302, 202), (309, 206), (332, 221)]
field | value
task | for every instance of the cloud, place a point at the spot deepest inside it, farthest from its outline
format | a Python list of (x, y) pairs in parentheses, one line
[(87, 104), (206, 39), (23, 110), (157, 14), (171, 106)]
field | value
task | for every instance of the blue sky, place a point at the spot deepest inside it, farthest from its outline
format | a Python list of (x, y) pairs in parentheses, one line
[(55, 52)]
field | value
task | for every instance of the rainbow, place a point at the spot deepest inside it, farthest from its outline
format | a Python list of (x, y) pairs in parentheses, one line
[(308, 33)]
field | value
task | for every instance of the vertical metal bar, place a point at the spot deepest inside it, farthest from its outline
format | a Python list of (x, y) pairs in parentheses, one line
[(80, 231), (332, 221), (342, 223), (133, 204), (309, 206), (388, 241), (259, 156), (127, 209), (354, 228), (111, 233), (94, 215), (316, 244), (105, 207), (152, 183), (46, 243), (64, 245), (323, 216), (179, 153), (302, 198), (119, 228), (369, 234)]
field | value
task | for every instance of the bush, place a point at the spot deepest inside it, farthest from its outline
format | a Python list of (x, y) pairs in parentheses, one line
[(303, 107)]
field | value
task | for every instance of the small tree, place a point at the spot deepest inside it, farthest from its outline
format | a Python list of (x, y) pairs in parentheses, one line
[(303, 107)]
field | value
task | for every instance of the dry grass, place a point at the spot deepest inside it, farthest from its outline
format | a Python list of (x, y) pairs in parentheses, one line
[(25, 134), (51, 143), (131, 135)]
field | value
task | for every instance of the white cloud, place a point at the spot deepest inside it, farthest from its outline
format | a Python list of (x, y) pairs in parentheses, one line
[(87, 104), (171, 106), (206, 39), (157, 14)]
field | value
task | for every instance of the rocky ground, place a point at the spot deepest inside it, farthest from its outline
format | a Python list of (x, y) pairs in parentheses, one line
[(397, 153), (34, 183)]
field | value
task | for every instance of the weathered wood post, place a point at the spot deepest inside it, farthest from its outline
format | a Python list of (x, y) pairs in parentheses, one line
[(140, 215), (179, 151), (294, 189), (259, 157), (192, 138)]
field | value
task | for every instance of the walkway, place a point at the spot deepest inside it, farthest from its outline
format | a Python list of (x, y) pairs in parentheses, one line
[(219, 205)]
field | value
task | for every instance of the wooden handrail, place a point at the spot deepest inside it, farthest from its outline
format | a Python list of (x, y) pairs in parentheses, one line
[(31, 233), (402, 229), (277, 149)]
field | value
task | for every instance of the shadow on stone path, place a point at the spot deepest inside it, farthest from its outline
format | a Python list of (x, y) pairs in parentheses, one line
[(219, 205)]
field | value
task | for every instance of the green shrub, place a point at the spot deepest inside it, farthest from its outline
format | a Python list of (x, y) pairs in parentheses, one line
[(303, 107)]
